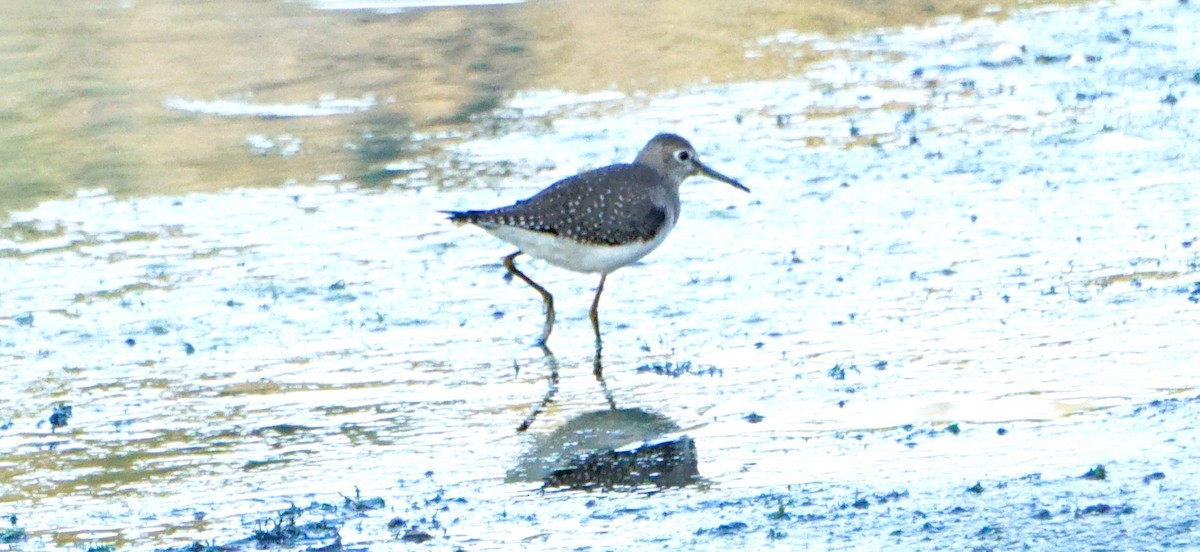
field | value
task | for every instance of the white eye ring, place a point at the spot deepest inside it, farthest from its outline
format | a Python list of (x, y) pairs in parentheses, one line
[(683, 155)]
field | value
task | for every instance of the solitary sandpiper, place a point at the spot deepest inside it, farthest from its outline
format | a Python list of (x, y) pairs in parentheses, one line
[(599, 220)]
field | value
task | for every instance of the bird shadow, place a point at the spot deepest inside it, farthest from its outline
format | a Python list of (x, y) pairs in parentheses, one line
[(552, 387)]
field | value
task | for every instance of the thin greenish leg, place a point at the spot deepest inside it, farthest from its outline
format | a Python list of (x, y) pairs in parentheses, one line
[(595, 312), (546, 297)]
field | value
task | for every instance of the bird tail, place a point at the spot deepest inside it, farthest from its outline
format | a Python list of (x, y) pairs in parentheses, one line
[(461, 217)]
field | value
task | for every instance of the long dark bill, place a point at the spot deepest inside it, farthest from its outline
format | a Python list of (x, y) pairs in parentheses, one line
[(706, 171)]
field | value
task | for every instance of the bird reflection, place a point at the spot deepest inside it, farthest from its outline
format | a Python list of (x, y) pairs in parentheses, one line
[(552, 389)]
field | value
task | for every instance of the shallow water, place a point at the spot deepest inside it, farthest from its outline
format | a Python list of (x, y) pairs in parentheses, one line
[(976, 222), (166, 98)]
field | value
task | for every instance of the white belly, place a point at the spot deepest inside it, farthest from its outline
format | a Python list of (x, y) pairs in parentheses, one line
[(572, 255)]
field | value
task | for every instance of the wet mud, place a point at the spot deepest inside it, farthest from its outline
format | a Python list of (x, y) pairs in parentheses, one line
[(957, 312)]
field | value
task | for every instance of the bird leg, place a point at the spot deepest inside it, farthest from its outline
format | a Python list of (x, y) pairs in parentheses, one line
[(595, 312), (546, 297)]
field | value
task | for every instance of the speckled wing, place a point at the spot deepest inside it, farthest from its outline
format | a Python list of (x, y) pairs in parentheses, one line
[(611, 205)]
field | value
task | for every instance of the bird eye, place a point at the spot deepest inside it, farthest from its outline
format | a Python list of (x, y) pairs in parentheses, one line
[(683, 155)]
